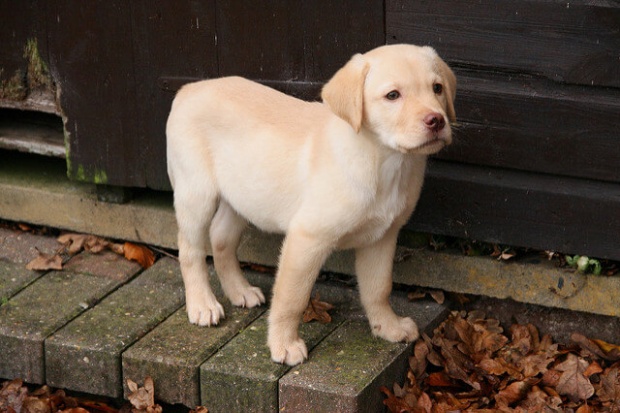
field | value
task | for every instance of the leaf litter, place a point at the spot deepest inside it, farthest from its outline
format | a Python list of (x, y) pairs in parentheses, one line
[(16, 398), (471, 365), (73, 244)]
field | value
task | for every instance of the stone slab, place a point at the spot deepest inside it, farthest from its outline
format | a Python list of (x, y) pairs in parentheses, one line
[(344, 373), (172, 353), (85, 355), (346, 369), (22, 247), (242, 378), (13, 278), (531, 280), (38, 311)]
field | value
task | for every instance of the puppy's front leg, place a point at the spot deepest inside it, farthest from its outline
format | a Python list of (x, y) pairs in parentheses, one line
[(202, 306), (373, 265), (302, 256)]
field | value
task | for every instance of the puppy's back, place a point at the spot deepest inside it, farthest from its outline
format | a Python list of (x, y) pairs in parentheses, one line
[(239, 101)]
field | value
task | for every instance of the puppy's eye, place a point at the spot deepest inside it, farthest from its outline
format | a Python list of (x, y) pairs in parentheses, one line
[(393, 95), (437, 88)]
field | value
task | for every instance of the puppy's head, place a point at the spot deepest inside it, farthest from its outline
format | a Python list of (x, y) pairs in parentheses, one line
[(402, 94)]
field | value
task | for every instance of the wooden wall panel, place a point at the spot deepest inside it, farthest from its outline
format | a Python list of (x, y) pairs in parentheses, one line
[(520, 209), (108, 58), (295, 43), (91, 58), (171, 40), (566, 41), (535, 125), (20, 24)]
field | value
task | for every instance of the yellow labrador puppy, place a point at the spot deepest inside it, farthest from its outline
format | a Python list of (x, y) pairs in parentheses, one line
[(345, 173)]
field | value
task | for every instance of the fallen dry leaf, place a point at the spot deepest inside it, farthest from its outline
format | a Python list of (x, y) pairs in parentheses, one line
[(612, 351), (418, 294), (45, 262), (572, 382), (469, 365), (394, 403), (609, 386), (139, 253), (584, 409), (514, 392), (75, 243), (318, 310), (143, 398)]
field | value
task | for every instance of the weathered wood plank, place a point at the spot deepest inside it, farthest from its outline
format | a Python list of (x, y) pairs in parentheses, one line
[(91, 59), (295, 41), (536, 125), (522, 209), (169, 38), (573, 42)]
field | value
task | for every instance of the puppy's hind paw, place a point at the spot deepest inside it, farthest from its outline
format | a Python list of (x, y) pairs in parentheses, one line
[(205, 315), (248, 297), (292, 353), (397, 329)]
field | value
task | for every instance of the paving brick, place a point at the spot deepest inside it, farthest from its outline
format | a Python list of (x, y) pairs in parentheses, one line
[(22, 247), (39, 310), (13, 278), (344, 372), (242, 378), (85, 355), (172, 353)]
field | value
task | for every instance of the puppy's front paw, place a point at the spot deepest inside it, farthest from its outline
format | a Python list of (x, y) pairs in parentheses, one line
[(205, 312), (396, 329), (291, 353), (247, 297)]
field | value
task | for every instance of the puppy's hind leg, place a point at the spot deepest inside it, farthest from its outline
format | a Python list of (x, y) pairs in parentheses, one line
[(225, 234), (194, 209)]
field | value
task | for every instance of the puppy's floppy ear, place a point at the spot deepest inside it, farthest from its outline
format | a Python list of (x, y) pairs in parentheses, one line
[(344, 93), (449, 80)]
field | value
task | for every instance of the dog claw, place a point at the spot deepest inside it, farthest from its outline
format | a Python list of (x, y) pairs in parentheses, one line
[(291, 354), (398, 329), (250, 297), (206, 317)]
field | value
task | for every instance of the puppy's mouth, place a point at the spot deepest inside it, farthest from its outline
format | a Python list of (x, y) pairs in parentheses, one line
[(433, 145)]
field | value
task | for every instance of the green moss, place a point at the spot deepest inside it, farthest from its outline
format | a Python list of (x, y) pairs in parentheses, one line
[(13, 88), (38, 73), (100, 177), (83, 174), (36, 76)]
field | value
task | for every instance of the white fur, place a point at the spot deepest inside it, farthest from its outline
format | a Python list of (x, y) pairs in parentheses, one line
[(345, 173)]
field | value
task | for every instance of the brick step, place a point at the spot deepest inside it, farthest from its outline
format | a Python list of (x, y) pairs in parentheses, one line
[(101, 321)]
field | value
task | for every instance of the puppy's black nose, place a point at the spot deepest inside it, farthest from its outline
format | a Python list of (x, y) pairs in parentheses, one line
[(434, 121)]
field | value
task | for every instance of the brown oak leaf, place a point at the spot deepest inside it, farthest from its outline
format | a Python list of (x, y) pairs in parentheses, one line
[(143, 398), (609, 389), (45, 262), (514, 392), (139, 253), (318, 310), (572, 382)]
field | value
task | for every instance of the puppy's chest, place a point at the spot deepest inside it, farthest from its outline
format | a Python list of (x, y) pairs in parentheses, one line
[(389, 202)]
